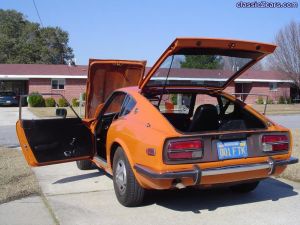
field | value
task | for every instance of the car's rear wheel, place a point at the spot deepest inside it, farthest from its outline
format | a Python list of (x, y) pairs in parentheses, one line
[(128, 190), (245, 187), (85, 165)]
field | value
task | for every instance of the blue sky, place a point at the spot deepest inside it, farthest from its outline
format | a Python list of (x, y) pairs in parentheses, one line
[(143, 29)]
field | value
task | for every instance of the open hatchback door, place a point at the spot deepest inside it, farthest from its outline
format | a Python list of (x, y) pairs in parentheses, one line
[(49, 139), (203, 63)]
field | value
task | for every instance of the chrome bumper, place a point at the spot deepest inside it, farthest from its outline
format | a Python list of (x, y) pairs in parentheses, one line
[(197, 173)]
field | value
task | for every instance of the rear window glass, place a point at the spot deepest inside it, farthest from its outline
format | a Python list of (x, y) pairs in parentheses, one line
[(206, 68)]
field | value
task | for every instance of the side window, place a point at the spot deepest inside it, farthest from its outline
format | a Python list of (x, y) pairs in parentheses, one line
[(115, 104), (228, 106), (202, 99), (128, 105), (175, 103), (47, 106)]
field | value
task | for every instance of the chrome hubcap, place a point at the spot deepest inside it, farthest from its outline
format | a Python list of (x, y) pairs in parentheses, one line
[(121, 176)]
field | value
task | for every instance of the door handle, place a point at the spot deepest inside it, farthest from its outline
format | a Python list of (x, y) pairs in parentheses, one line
[(72, 143), (68, 153)]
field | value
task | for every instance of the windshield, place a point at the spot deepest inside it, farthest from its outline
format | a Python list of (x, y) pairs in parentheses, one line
[(203, 68)]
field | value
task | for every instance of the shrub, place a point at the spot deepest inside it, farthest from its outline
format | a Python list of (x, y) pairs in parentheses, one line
[(62, 102), (281, 100), (289, 100), (270, 101), (260, 100), (173, 99), (75, 102), (83, 96), (50, 102), (36, 100)]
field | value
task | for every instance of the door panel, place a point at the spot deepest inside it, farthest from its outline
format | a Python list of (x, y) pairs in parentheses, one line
[(51, 141)]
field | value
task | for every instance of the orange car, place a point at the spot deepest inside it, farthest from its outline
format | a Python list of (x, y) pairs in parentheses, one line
[(172, 128)]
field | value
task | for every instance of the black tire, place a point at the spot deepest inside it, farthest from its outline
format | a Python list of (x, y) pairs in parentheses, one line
[(132, 194), (245, 187), (85, 165)]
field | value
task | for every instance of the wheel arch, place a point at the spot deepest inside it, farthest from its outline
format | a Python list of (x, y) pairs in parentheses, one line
[(112, 150)]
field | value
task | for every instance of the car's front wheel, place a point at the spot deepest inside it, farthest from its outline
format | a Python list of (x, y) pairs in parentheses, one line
[(85, 165), (245, 187), (128, 190)]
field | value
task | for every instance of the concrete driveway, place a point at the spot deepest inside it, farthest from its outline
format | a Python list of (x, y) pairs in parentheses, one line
[(8, 119), (87, 197)]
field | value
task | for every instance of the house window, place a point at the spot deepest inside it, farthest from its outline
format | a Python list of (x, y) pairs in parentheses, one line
[(58, 84), (273, 86)]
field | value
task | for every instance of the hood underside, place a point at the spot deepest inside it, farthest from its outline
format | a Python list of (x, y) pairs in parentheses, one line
[(105, 76)]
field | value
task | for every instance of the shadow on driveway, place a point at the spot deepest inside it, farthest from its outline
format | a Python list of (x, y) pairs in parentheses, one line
[(77, 177), (82, 177), (211, 199), (195, 200)]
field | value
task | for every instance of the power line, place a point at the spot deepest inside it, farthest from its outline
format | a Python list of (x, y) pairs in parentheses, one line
[(41, 22), (37, 11)]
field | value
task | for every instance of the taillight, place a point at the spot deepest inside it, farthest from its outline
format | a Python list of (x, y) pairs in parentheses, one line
[(275, 143), (184, 150)]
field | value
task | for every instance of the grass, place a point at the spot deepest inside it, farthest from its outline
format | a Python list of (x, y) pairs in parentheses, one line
[(277, 109), (17, 179), (293, 171), (49, 112)]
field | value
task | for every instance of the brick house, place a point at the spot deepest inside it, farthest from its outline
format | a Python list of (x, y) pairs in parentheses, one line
[(70, 81)]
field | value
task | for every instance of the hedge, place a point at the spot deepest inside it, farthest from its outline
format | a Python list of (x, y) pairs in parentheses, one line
[(75, 102), (36, 100), (62, 102), (50, 102)]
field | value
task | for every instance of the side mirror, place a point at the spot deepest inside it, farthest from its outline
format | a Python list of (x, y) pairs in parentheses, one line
[(61, 112)]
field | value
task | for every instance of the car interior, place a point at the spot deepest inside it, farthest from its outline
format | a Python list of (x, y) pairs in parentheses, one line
[(202, 112), (119, 104), (218, 114)]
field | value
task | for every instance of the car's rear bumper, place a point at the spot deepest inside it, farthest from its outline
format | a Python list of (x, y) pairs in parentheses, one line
[(197, 174)]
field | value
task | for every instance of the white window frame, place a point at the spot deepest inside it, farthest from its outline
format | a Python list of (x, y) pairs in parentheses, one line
[(273, 86), (59, 82)]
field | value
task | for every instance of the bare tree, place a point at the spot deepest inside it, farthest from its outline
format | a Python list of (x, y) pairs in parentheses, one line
[(286, 57)]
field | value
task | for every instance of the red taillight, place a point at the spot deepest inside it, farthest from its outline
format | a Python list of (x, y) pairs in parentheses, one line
[(179, 145), (188, 149), (275, 143)]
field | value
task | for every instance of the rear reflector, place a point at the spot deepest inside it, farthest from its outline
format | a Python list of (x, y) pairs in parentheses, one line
[(184, 150), (275, 143)]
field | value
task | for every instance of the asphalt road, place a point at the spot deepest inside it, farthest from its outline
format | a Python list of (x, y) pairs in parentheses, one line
[(289, 121), (8, 119)]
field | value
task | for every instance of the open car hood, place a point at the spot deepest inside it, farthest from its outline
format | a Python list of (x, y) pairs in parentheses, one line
[(105, 76), (228, 60)]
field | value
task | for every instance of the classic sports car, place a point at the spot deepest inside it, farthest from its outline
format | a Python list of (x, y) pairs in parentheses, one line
[(172, 128)]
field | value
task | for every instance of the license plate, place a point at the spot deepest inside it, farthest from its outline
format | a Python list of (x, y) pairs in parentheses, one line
[(8, 101), (232, 149)]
